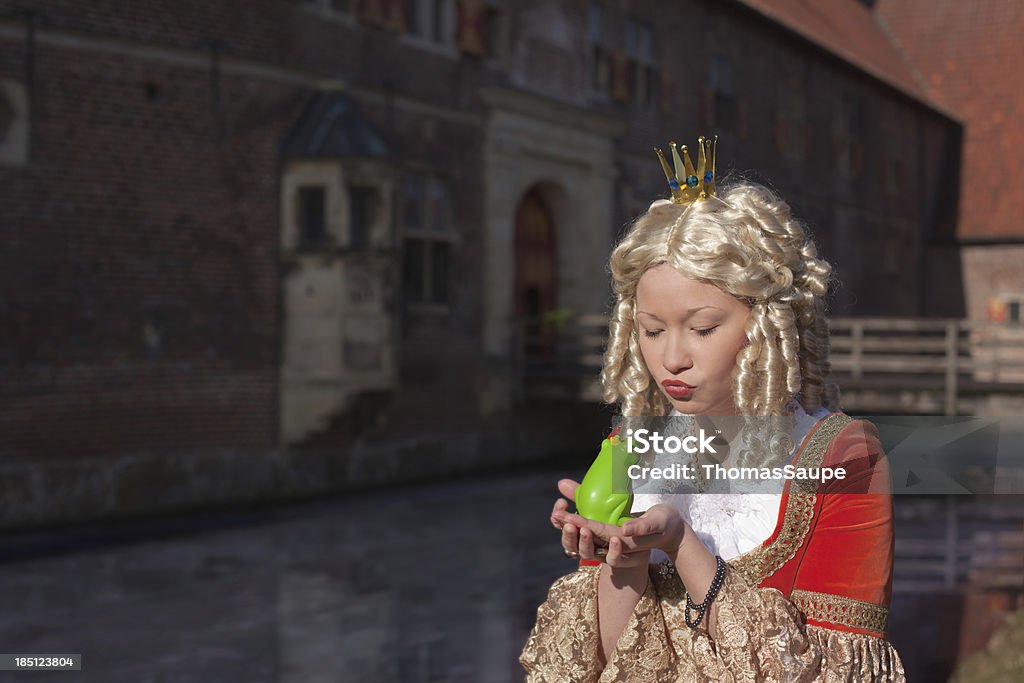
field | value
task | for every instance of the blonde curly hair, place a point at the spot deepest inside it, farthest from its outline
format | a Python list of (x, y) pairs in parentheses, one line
[(745, 242)]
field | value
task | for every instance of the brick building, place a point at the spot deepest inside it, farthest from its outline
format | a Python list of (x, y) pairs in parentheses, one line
[(966, 56), (282, 247)]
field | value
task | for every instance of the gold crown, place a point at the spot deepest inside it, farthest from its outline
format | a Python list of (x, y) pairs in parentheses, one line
[(688, 184)]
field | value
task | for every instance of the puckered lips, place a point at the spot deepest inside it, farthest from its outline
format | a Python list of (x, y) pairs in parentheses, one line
[(677, 388)]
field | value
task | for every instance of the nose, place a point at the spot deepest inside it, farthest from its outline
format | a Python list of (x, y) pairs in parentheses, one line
[(677, 356)]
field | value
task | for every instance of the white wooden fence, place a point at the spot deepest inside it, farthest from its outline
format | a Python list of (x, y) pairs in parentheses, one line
[(953, 352), (947, 355)]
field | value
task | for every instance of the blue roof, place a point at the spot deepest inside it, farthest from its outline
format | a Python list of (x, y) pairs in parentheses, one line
[(332, 126)]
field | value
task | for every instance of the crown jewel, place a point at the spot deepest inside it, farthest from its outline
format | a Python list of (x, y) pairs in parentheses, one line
[(687, 183)]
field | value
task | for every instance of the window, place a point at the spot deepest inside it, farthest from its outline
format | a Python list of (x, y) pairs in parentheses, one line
[(722, 84), (437, 205), (790, 129), (893, 177), (412, 201), (312, 202), (480, 28), (7, 116), (440, 268), (431, 20), (599, 63), (496, 29), (428, 239), (640, 50), (362, 214), (412, 14), (14, 123), (413, 270), (848, 134), (1005, 308)]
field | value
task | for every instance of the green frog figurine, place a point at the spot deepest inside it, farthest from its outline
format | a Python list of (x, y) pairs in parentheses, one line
[(596, 498)]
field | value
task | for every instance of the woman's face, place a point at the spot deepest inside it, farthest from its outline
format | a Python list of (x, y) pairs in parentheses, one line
[(690, 333)]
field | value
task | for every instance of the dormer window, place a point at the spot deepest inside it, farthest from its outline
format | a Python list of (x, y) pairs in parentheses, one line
[(311, 206), (362, 205)]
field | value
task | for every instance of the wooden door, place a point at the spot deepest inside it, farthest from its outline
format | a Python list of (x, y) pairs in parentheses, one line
[(535, 274)]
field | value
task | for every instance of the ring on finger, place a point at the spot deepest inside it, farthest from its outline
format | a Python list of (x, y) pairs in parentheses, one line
[(571, 553)]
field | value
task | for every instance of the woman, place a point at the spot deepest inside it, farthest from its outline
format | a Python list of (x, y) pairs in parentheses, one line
[(720, 312)]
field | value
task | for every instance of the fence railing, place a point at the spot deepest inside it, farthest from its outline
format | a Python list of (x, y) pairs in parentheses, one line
[(953, 352), (958, 543), (945, 354)]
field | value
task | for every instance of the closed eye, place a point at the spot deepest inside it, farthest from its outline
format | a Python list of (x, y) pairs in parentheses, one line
[(651, 334)]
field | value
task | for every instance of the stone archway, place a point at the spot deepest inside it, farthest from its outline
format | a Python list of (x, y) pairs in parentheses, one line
[(535, 286), (566, 154)]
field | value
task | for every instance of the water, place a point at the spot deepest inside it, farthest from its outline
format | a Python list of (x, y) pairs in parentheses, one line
[(437, 582)]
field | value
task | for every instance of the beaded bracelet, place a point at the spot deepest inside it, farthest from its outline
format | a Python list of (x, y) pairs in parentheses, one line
[(716, 585)]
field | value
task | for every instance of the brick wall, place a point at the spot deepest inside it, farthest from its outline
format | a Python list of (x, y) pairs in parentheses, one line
[(858, 221), (140, 256), (258, 28), (967, 55), (140, 272), (140, 264)]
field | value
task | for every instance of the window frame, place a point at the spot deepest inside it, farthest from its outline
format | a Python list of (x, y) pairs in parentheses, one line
[(791, 122), (496, 31), (598, 52), (324, 241), (16, 139), (646, 65), (722, 84), (440, 13), (849, 128), (428, 236), (356, 194)]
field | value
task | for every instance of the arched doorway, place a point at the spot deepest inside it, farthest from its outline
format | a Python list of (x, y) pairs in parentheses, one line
[(535, 274)]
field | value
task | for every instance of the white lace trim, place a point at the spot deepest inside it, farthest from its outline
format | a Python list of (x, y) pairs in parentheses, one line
[(729, 524)]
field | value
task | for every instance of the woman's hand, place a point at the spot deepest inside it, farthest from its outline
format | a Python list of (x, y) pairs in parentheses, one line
[(660, 527), (567, 487), (581, 537)]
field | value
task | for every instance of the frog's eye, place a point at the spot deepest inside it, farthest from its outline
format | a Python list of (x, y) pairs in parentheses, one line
[(615, 440)]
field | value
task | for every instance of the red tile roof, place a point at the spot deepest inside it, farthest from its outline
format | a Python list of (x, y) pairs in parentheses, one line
[(850, 31), (969, 55)]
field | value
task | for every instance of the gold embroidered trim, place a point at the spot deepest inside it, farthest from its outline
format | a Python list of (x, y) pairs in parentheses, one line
[(758, 564), (840, 610)]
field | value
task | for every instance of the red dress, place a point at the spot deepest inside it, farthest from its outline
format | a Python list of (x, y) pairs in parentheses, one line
[(810, 603)]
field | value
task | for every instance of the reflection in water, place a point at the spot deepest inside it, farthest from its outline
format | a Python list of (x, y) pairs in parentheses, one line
[(431, 583)]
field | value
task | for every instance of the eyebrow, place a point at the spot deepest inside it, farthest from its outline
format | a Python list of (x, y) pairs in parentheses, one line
[(689, 312)]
